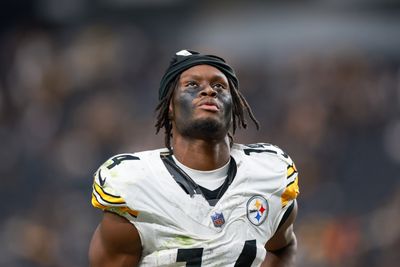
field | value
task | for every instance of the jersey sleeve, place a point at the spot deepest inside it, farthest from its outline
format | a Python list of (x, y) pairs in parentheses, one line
[(290, 184), (279, 180), (104, 195), (288, 190), (291, 190)]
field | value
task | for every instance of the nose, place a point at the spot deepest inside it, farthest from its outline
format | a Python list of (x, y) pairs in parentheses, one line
[(208, 91)]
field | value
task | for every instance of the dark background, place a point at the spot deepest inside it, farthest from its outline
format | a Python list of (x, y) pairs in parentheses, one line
[(79, 81)]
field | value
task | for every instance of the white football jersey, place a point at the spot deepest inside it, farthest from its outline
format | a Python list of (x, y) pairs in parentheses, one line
[(180, 229)]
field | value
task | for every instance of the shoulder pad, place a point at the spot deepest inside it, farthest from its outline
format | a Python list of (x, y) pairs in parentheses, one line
[(113, 167), (104, 195), (290, 182), (268, 148), (118, 159)]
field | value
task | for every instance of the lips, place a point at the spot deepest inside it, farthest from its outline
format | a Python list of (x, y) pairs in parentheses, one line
[(209, 105)]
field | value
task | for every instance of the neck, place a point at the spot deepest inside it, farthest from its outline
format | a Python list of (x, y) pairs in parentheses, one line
[(200, 154)]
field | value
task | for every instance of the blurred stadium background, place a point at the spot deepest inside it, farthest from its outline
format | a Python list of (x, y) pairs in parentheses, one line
[(78, 83)]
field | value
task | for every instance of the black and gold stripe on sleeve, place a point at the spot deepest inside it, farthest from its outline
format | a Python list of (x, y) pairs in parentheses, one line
[(292, 187), (106, 201), (291, 170), (107, 198)]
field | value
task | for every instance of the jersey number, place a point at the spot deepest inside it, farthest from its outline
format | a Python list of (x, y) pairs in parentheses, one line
[(192, 256), (256, 149), (118, 159)]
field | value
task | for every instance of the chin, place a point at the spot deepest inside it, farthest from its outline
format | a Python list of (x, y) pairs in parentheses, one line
[(206, 129)]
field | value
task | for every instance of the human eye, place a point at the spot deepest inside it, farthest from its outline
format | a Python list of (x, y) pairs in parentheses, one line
[(191, 84), (219, 86)]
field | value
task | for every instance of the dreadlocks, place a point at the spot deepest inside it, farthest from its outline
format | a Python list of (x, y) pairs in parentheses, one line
[(240, 106), (163, 120)]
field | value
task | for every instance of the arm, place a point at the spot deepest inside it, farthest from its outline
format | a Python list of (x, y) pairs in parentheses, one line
[(115, 243), (282, 246)]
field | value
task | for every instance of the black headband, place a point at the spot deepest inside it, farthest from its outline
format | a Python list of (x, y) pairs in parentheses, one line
[(186, 59)]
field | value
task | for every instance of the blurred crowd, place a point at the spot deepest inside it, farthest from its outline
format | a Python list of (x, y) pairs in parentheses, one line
[(72, 97)]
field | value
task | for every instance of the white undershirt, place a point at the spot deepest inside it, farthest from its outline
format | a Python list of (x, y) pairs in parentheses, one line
[(208, 179)]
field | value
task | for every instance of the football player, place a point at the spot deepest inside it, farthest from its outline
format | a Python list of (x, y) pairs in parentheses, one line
[(203, 200)]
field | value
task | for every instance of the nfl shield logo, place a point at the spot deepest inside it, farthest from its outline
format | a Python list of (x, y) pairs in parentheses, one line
[(218, 219)]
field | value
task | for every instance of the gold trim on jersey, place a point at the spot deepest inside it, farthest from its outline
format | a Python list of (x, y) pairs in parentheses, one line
[(118, 209), (107, 197), (290, 193), (291, 169), (134, 213), (96, 203)]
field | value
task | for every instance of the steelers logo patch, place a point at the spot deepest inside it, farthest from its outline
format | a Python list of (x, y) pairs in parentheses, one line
[(257, 209)]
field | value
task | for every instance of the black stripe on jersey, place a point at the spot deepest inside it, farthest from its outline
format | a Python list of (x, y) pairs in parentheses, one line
[(248, 254), (181, 178), (212, 196), (110, 202), (105, 193), (118, 159), (290, 183), (247, 151), (286, 215), (191, 187), (95, 196), (293, 173), (256, 146)]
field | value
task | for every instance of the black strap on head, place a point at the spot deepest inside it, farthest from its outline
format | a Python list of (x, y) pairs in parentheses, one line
[(186, 59)]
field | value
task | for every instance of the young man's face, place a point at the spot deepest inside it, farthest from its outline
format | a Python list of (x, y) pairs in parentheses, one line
[(201, 106)]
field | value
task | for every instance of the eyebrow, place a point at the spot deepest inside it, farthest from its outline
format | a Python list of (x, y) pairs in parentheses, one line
[(198, 77)]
